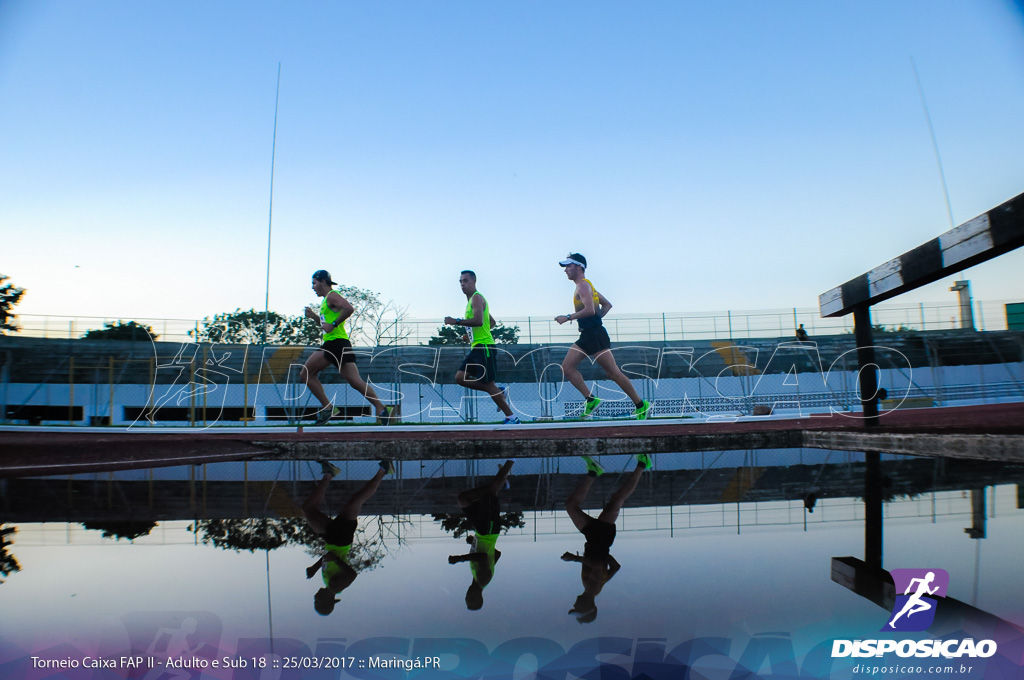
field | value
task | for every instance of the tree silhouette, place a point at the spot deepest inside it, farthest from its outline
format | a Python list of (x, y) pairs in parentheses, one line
[(121, 330), (452, 335), (368, 545), (10, 295), (458, 524), (8, 565), (121, 529), (374, 322), (244, 327)]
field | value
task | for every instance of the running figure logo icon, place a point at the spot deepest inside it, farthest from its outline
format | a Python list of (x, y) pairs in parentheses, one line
[(914, 610)]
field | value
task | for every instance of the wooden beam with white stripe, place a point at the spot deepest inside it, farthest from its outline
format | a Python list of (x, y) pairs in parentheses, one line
[(998, 231)]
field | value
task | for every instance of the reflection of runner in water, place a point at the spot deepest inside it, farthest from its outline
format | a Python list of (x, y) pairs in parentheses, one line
[(338, 534), (175, 646), (597, 566), (482, 510), (915, 604)]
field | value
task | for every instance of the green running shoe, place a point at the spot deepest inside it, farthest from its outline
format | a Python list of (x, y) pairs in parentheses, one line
[(591, 406), (593, 465), (642, 410), (385, 417), (328, 468), (645, 460), (388, 467), (326, 414)]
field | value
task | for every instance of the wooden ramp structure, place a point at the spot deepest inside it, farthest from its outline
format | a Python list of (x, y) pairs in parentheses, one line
[(992, 432)]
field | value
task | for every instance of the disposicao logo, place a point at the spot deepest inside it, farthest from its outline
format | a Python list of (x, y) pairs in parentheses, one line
[(914, 610)]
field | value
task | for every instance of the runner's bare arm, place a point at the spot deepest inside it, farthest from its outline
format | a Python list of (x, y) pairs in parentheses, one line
[(478, 315), (478, 312), (585, 293), (337, 304), (340, 304)]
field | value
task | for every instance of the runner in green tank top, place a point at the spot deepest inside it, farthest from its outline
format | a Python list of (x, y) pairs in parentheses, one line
[(483, 511), (338, 533), (336, 350), (479, 370)]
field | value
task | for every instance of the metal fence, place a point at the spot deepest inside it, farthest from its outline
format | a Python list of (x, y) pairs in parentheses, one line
[(203, 385), (663, 327)]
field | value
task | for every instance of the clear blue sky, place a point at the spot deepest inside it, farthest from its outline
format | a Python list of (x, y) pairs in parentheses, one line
[(703, 156)]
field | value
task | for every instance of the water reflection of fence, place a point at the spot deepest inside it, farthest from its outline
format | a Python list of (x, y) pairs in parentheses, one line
[(657, 327), (670, 521), (712, 490)]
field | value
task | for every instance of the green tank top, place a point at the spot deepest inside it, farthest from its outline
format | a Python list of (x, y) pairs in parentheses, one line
[(328, 315), (331, 567), (485, 543), (482, 333)]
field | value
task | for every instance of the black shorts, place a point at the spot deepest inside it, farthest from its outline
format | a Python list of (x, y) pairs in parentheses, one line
[(484, 515), (600, 536), (340, 531), (481, 364), (339, 351), (593, 340)]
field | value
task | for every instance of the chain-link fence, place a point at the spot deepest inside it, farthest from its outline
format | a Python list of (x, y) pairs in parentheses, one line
[(664, 327), (128, 383)]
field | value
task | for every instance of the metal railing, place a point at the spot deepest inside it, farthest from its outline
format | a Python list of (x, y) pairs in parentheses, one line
[(659, 327)]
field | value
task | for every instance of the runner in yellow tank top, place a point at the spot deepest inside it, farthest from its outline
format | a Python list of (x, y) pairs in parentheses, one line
[(479, 370), (597, 566), (589, 308), (336, 350)]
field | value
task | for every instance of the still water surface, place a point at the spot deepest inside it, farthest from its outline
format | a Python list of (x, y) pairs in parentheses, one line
[(713, 545)]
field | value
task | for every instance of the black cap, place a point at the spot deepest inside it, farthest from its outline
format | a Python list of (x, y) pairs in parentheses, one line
[(323, 275), (574, 258)]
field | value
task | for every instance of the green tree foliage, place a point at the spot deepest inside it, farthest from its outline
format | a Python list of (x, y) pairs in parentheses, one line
[(243, 327), (458, 524), (453, 335), (10, 295), (505, 335), (448, 335), (121, 529), (374, 322), (121, 330), (255, 534), (8, 565), (269, 534)]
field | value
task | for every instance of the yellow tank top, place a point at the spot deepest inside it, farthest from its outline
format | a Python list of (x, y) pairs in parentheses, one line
[(578, 304), (328, 315), (588, 322)]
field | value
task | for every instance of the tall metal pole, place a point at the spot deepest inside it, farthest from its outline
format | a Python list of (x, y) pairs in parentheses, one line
[(935, 144), (270, 217)]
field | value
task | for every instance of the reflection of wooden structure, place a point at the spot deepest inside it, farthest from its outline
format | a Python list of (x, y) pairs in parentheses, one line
[(103, 497), (990, 432)]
